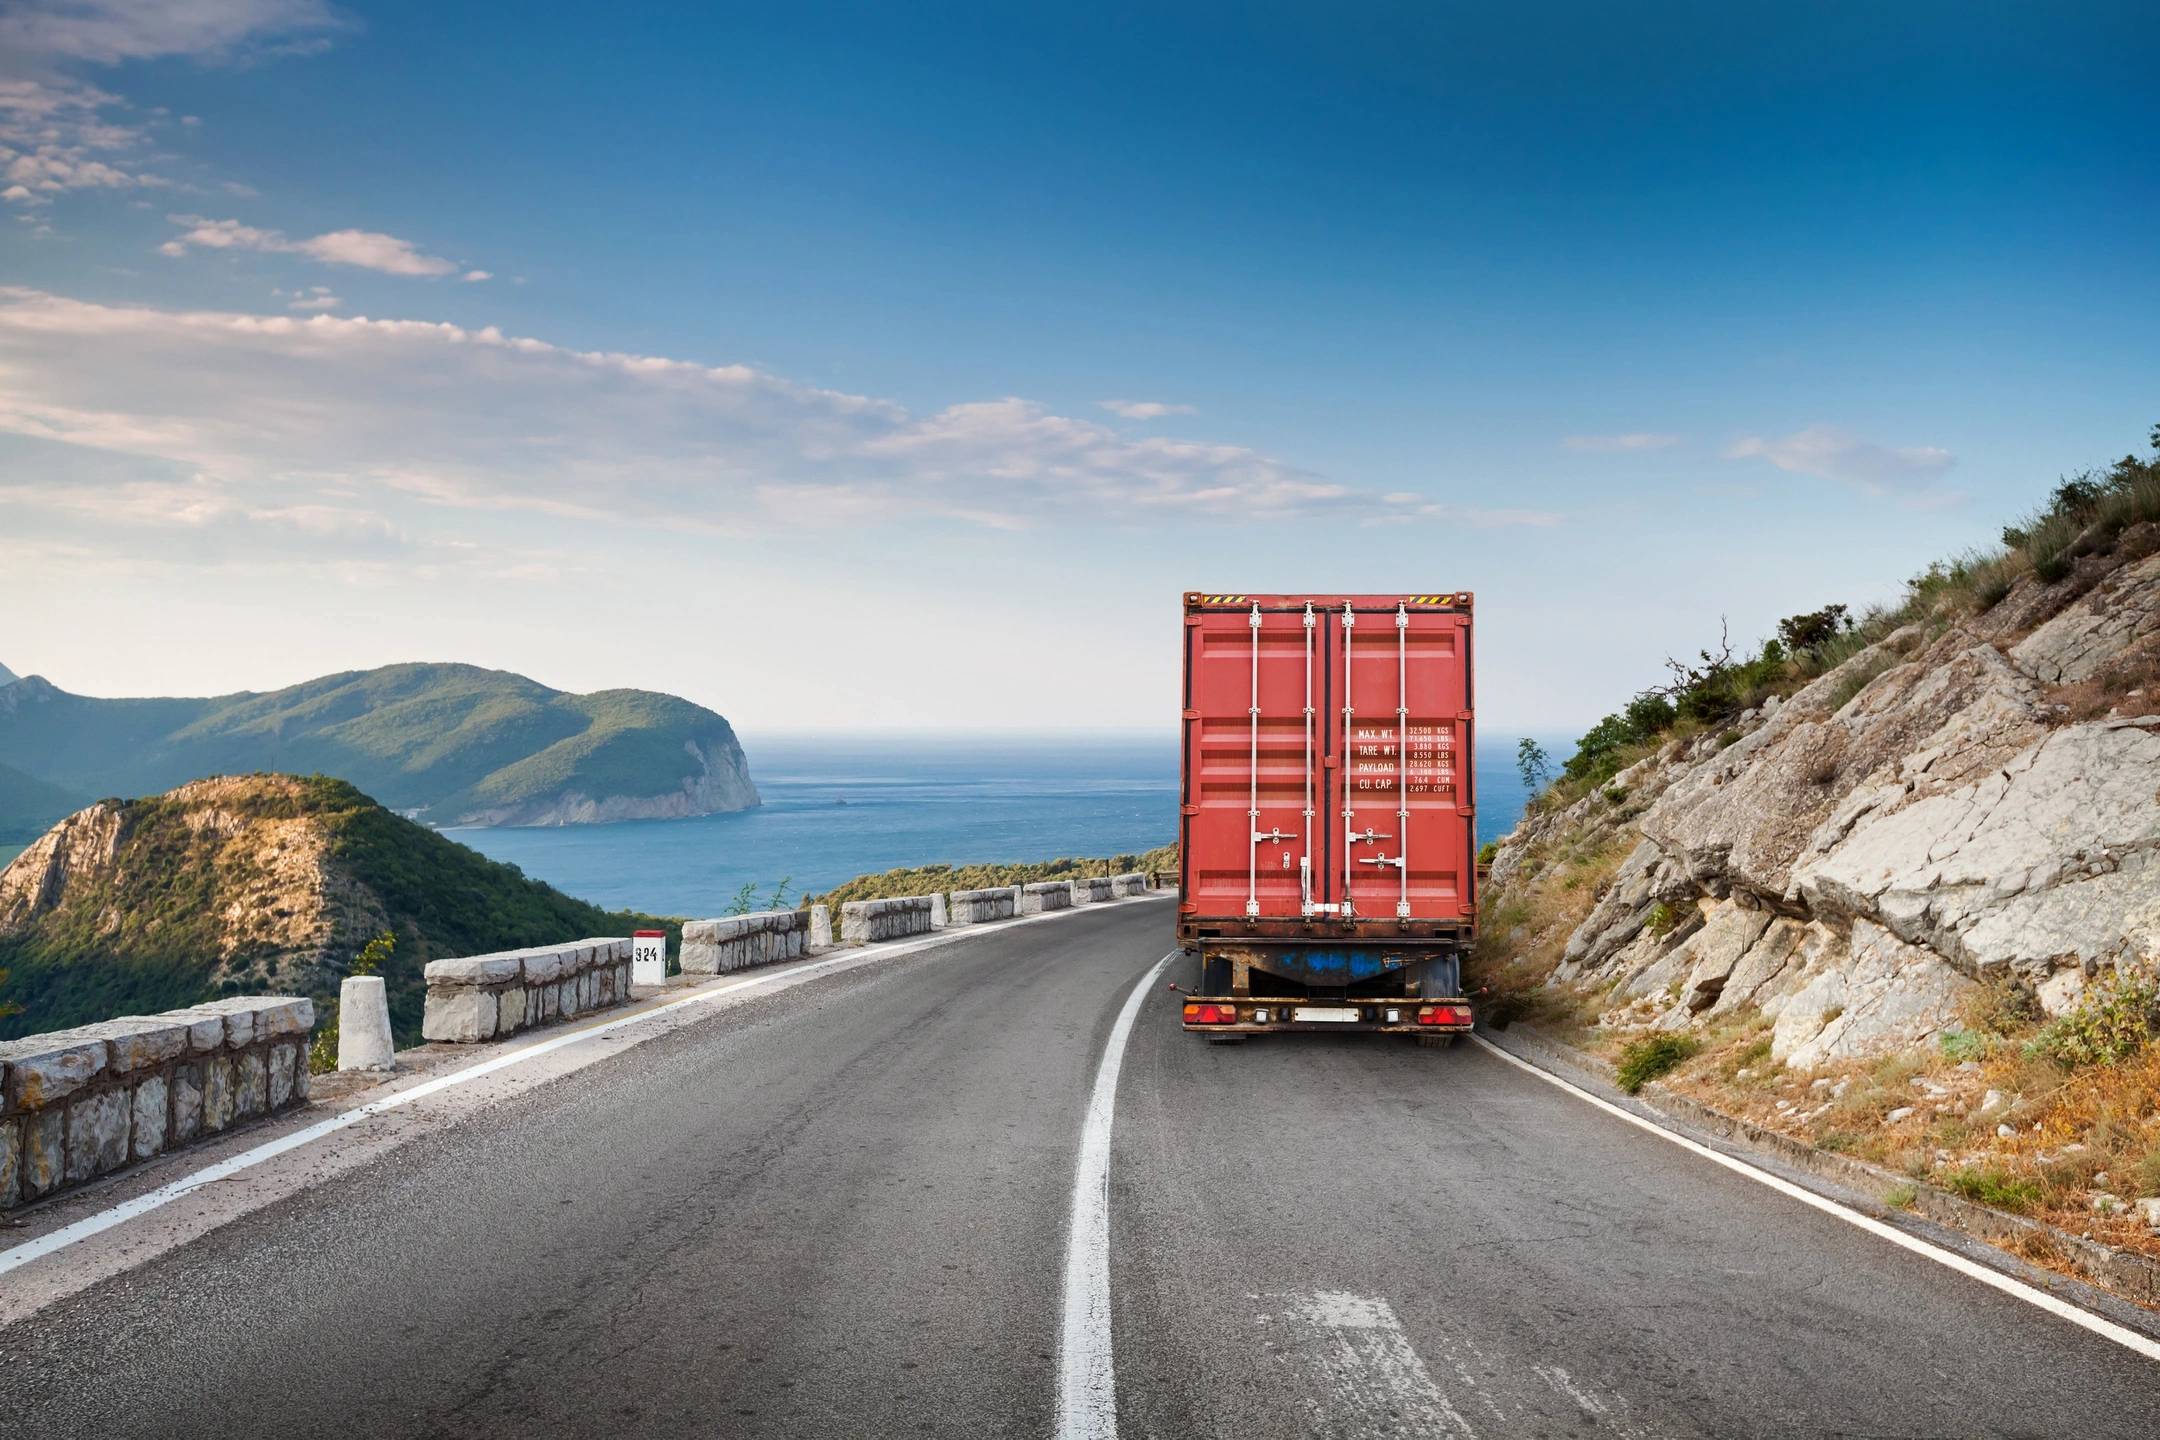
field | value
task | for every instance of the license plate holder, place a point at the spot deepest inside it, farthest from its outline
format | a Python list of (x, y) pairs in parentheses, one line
[(1324, 1014)]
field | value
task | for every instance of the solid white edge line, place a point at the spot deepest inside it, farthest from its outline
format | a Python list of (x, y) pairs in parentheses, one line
[(80, 1230), (1087, 1375), (2107, 1329)]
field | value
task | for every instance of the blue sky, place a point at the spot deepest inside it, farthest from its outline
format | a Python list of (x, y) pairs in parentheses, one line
[(863, 366)]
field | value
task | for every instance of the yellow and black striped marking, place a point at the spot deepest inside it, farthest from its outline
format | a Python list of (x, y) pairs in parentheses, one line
[(1221, 599)]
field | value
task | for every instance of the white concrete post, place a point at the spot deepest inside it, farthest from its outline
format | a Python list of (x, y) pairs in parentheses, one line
[(821, 927), (648, 958), (364, 1025), (939, 916)]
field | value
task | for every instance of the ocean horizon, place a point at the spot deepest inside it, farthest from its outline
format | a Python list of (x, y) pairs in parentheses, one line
[(841, 806)]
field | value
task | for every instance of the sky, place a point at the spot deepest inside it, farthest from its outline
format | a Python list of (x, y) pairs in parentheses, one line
[(857, 367)]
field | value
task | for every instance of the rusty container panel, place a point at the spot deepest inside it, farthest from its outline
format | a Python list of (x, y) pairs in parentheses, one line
[(1327, 777)]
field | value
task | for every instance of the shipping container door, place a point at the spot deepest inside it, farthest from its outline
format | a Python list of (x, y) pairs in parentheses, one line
[(1400, 722), (1253, 760)]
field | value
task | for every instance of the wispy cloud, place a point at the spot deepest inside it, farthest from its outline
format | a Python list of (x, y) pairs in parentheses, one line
[(107, 32), (1473, 517), (366, 249), (315, 297), (1828, 453), (59, 133), (278, 411), (1145, 409), (1632, 440)]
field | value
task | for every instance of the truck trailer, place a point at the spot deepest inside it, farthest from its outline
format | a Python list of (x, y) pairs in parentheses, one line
[(1327, 822)]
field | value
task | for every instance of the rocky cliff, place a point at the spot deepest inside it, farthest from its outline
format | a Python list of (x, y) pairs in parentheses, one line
[(1969, 798), (257, 883)]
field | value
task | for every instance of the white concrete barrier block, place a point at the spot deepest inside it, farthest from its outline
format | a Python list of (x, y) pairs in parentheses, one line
[(461, 1016), (364, 1025)]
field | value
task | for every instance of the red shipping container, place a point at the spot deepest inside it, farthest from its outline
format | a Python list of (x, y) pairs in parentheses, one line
[(1327, 793)]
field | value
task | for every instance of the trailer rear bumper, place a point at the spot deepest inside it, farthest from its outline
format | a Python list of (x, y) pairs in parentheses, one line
[(1250, 1015)]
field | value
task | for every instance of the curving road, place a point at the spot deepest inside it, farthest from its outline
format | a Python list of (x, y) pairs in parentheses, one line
[(841, 1210)]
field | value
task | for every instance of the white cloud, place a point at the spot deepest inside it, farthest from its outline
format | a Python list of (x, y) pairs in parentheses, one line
[(1470, 516), (55, 135), (1145, 409), (1632, 440), (59, 133), (366, 249), (474, 277), (315, 297), (106, 32), (1827, 453), (276, 411)]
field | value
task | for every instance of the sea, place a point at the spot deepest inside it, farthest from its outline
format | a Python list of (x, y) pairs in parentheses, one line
[(840, 807)]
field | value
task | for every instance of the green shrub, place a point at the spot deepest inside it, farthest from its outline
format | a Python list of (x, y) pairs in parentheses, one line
[(1857, 676), (1646, 1059), (1487, 851), (322, 1050), (2116, 1019), (1999, 1188), (2145, 1175), (1662, 917), (1963, 1044), (1901, 1197)]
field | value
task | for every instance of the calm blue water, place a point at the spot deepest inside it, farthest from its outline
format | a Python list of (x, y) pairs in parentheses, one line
[(906, 802)]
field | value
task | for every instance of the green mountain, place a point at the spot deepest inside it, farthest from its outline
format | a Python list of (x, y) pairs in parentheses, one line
[(7, 676), (29, 806), (450, 744), (249, 884)]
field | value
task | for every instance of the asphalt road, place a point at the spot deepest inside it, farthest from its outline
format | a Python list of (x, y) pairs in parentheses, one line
[(841, 1211)]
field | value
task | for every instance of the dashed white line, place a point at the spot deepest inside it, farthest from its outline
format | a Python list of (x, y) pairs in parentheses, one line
[(1087, 1374), (2107, 1329)]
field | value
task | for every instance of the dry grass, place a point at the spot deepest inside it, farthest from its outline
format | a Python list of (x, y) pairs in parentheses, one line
[(1525, 927), (2076, 1133)]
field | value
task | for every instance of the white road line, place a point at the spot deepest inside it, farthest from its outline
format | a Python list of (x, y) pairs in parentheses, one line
[(1087, 1378), (80, 1230), (1368, 1379), (2107, 1329)]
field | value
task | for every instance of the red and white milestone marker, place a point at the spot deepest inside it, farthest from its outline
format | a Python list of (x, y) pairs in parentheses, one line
[(648, 957)]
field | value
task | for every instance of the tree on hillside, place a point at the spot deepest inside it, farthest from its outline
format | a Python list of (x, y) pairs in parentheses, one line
[(1531, 764), (7, 1007)]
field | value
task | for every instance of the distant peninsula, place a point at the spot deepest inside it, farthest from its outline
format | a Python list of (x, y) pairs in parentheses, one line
[(443, 744)]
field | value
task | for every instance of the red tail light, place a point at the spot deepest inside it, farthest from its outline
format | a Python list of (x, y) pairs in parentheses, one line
[(1210, 1015), (1442, 1015)]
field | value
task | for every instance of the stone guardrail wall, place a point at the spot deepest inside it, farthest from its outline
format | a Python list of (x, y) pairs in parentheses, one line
[(75, 1104), (1087, 892), (1135, 883), (1045, 895), (973, 907), (737, 942), (862, 921), (488, 997)]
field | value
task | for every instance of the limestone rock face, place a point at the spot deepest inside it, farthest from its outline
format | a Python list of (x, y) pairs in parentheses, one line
[(1950, 806)]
